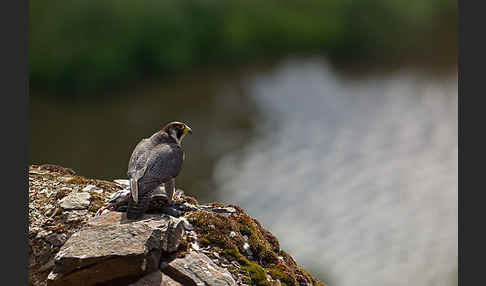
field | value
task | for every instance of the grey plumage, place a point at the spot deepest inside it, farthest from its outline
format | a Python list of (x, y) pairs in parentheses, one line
[(154, 161)]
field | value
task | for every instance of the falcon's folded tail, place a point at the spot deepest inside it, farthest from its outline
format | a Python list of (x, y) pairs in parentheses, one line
[(136, 210), (143, 190), (134, 189)]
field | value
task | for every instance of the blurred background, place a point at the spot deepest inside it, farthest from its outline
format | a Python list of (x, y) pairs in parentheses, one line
[(332, 122)]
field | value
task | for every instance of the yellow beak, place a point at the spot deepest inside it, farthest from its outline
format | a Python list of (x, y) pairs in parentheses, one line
[(187, 129)]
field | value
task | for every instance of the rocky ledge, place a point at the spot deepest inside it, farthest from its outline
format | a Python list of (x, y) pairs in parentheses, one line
[(79, 235)]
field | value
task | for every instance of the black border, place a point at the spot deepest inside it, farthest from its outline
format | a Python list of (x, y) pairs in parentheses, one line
[(471, 66), (460, 49), (15, 137)]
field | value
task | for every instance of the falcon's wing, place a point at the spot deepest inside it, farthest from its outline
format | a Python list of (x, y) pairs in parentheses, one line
[(138, 165), (165, 161)]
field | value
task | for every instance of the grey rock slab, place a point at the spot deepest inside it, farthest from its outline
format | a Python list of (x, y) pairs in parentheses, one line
[(156, 278), (110, 247), (198, 269), (170, 233), (75, 201), (173, 235)]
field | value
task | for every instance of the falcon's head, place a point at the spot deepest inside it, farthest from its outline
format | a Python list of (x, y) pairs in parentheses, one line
[(177, 130)]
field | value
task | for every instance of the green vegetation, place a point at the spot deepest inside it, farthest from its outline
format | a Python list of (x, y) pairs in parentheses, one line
[(89, 45), (215, 230), (256, 273)]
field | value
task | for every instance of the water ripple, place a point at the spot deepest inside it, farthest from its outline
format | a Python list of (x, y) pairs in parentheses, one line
[(358, 178)]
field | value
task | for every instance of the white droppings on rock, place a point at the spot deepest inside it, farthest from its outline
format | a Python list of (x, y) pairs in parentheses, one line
[(246, 246), (61, 253), (89, 188), (46, 191), (187, 224), (51, 276), (192, 234), (195, 246)]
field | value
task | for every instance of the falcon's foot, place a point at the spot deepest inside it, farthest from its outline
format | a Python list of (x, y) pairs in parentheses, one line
[(104, 209), (173, 209)]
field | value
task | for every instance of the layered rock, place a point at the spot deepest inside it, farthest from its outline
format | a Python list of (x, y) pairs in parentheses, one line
[(79, 235), (195, 268), (110, 249)]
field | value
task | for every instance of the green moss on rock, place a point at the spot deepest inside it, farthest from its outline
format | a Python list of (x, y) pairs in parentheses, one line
[(215, 229), (226, 234), (283, 276), (256, 274), (78, 180), (259, 240)]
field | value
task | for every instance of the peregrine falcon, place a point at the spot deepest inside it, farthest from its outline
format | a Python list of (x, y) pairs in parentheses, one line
[(155, 160)]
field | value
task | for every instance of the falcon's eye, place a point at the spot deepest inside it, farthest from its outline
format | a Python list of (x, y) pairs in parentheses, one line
[(181, 127)]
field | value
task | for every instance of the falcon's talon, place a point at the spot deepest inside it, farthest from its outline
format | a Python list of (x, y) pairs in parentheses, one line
[(103, 208), (177, 204), (170, 210)]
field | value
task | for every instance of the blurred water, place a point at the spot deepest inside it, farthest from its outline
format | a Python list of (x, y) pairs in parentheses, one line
[(357, 177)]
